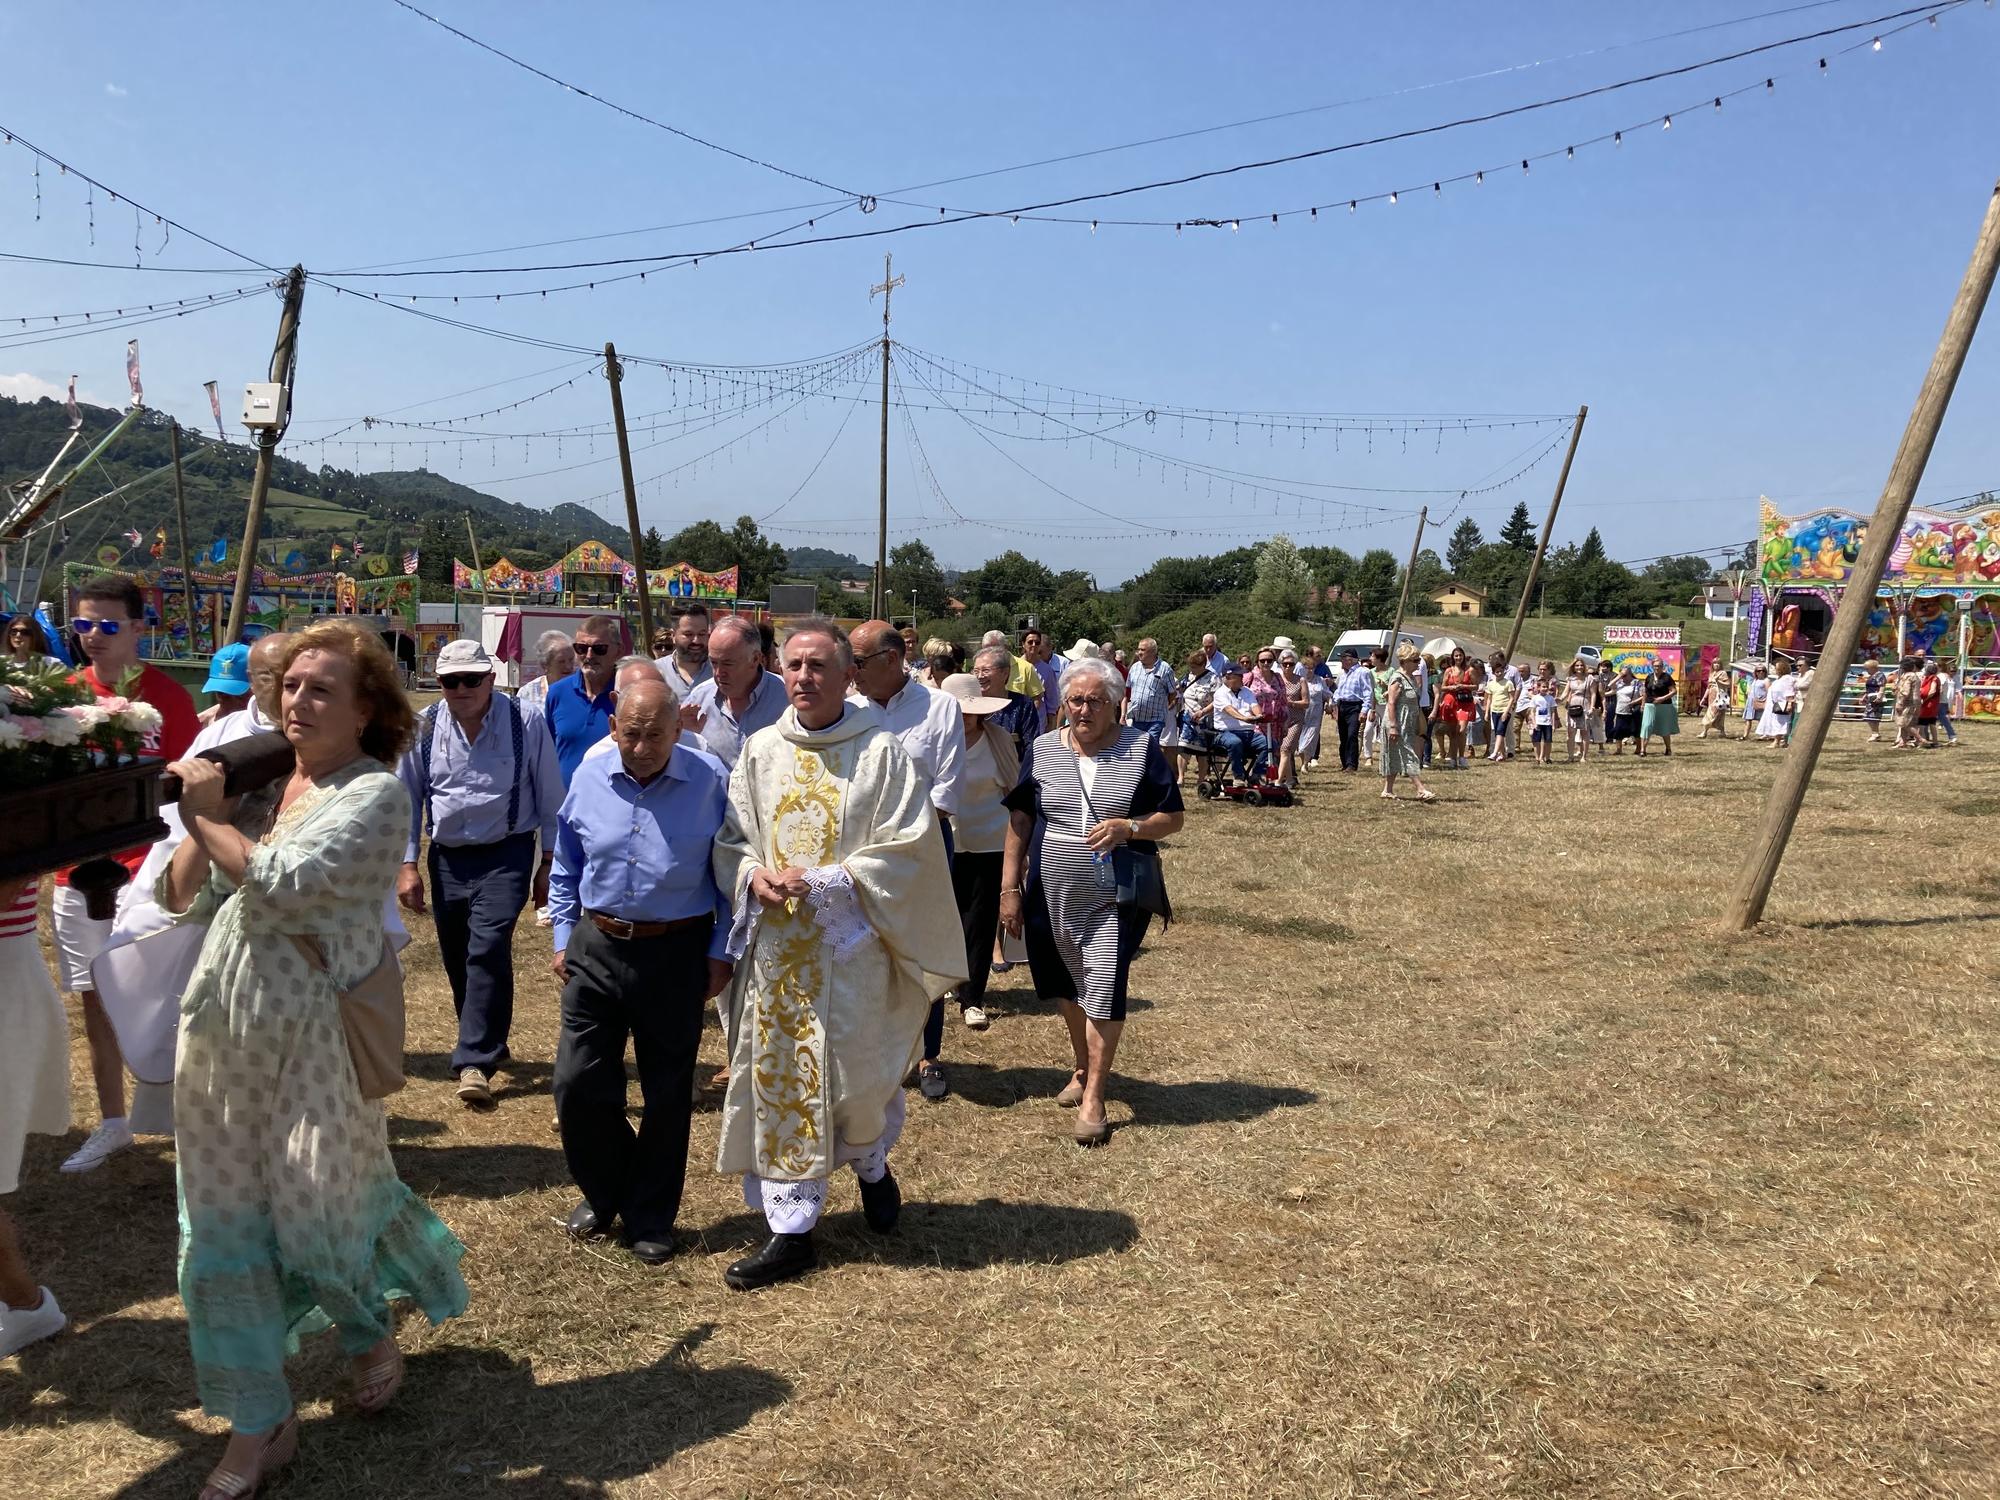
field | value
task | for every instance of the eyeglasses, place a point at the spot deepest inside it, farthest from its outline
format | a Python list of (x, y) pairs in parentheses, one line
[(103, 627), (868, 656), (461, 684), (591, 648), (1085, 705)]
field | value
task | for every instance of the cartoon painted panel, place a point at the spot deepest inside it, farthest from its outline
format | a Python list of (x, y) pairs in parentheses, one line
[(1824, 545)]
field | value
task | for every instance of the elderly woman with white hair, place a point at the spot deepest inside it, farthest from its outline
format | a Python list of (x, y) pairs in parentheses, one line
[(1081, 874), (558, 659)]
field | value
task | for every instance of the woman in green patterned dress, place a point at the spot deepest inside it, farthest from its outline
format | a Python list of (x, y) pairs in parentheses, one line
[(1403, 727), (292, 1217)]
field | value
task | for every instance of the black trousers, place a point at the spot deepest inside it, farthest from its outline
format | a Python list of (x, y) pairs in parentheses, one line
[(648, 989), (975, 881), (477, 893), (1348, 716)]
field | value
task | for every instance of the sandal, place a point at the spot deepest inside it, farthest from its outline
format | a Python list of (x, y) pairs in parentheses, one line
[(280, 1448), (376, 1383), (1072, 1094)]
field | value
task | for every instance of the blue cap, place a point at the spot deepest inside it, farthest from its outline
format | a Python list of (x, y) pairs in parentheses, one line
[(229, 672)]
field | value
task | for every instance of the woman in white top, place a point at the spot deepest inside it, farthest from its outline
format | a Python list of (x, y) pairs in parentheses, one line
[(979, 839), (1780, 707)]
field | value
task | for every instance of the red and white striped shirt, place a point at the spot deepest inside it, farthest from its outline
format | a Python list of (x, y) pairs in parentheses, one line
[(18, 919)]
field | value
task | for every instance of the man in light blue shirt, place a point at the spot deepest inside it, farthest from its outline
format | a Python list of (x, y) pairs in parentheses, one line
[(482, 776), (1151, 694), (741, 696), (1350, 702), (641, 935)]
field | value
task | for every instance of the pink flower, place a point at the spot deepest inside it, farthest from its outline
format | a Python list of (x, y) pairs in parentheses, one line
[(31, 729)]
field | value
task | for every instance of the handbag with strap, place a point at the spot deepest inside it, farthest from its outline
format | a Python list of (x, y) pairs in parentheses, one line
[(371, 1015), (1140, 877)]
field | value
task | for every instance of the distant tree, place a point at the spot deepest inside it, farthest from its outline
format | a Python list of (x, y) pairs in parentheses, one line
[(654, 547), (913, 569), (1592, 549), (1282, 579), (1465, 541), (1597, 590), (1519, 532), (434, 559), (1376, 580), (1008, 579), (708, 547), (1499, 570), (1427, 581), (1331, 567)]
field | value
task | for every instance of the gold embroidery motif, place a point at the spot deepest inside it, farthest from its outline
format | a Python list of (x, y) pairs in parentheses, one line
[(789, 1041)]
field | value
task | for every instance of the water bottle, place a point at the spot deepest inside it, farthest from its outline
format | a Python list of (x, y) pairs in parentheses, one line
[(1103, 871)]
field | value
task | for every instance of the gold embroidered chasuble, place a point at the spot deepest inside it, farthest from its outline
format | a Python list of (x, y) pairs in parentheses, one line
[(819, 1044)]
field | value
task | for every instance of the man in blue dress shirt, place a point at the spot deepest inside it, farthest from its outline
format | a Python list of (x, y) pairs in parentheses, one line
[(482, 775), (579, 707), (641, 936), (741, 695)]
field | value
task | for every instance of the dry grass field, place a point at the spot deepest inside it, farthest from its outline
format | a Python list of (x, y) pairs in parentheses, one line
[(1457, 1156)]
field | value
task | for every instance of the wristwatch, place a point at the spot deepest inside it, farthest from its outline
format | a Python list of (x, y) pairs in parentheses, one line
[(1132, 826)]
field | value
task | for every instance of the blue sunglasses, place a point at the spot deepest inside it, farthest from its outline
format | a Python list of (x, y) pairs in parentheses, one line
[(106, 627)]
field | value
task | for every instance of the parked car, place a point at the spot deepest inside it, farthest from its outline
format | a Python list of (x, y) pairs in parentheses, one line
[(1589, 654), (1364, 641)]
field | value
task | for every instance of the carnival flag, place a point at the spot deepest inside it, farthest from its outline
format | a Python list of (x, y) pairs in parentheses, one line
[(159, 548), (132, 371), (75, 412), (410, 561), (338, 552), (134, 537), (220, 551), (215, 405)]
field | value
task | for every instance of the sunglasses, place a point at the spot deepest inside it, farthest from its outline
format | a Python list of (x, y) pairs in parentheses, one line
[(104, 627), (591, 648), (871, 655), (461, 684)]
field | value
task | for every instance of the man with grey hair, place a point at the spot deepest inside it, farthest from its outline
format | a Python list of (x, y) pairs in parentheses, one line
[(1020, 718), (1217, 662), (579, 707), (1151, 694), (558, 660), (740, 696)]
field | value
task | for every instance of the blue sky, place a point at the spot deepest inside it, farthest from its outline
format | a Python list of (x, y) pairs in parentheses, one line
[(1747, 301)]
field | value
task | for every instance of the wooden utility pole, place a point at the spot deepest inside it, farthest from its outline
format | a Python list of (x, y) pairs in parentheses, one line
[(1403, 599), (477, 566), (181, 522), (614, 374), (879, 602), (1781, 808), (1548, 526), (284, 359)]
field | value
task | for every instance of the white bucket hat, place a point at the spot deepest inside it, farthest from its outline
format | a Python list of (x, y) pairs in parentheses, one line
[(456, 657), (965, 688), (1081, 651)]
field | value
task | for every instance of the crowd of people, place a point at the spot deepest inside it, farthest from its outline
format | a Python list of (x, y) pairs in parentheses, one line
[(833, 839), (826, 838)]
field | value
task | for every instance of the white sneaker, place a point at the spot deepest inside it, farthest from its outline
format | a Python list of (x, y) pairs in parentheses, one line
[(22, 1326), (975, 1018), (104, 1143)]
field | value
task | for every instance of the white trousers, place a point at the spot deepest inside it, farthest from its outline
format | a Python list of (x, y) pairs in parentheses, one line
[(794, 1207)]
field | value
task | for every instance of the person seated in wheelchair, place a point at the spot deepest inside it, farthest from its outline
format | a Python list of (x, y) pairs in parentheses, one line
[(1239, 727)]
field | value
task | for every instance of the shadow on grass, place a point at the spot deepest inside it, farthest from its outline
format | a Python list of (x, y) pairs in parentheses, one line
[(1196, 1102), (494, 1170), (950, 1236), (468, 1420), (516, 1077), (1935, 919)]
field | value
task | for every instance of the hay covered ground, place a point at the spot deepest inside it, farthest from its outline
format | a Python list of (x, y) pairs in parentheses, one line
[(1458, 1156)]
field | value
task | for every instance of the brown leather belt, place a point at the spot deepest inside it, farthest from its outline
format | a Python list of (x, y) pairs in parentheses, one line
[(618, 927)]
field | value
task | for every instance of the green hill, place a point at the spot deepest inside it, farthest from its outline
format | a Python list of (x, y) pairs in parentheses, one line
[(307, 508)]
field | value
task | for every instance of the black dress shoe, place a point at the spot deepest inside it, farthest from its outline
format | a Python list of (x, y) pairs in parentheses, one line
[(882, 1203), (782, 1257), (654, 1249), (582, 1223)]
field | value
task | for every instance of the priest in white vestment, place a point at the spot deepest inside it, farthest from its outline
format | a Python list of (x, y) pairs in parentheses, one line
[(845, 929)]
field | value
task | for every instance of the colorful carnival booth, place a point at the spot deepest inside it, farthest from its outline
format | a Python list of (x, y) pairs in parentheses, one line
[(593, 574), (1940, 596)]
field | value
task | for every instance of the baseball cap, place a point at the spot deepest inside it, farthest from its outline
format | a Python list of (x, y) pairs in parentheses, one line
[(463, 656), (229, 671)]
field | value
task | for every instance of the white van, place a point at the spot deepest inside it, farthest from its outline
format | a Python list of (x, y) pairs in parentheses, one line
[(1361, 642)]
